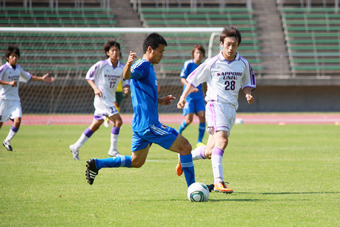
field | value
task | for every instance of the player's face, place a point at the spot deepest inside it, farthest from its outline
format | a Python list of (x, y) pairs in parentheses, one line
[(230, 46), (156, 55), (13, 59), (113, 54), (198, 56)]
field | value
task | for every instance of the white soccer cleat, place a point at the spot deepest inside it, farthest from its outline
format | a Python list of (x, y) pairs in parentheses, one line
[(113, 153), (7, 145), (75, 152)]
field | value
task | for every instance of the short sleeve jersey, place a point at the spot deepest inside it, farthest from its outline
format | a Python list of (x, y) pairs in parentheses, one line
[(187, 68), (9, 73), (224, 78), (144, 95), (106, 78)]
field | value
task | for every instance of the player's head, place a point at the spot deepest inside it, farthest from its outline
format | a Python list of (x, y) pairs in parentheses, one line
[(112, 49), (230, 40), (154, 46), (12, 54), (198, 53)]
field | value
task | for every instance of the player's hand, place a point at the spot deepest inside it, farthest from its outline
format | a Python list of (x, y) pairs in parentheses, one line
[(12, 83), (195, 90), (98, 92), (181, 103), (126, 90), (166, 100), (45, 78), (131, 58), (250, 98)]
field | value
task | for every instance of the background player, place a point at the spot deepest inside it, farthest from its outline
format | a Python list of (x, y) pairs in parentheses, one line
[(145, 124), (104, 77), (10, 107), (195, 103), (225, 74)]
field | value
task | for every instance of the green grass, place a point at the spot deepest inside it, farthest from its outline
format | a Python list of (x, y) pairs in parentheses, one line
[(281, 176)]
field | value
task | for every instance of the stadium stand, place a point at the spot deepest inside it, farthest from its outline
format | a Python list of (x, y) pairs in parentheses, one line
[(313, 38), (236, 14)]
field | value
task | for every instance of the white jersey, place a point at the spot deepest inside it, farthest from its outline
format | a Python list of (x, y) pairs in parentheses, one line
[(8, 73), (106, 77), (224, 78)]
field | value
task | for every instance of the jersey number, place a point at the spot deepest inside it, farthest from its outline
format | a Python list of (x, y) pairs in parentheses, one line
[(112, 84), (230, 85)]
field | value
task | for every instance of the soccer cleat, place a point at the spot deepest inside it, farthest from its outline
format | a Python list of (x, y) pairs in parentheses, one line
[(200, 144), (179, 169), (91, 171), (7, 145), (210, 187), (75, 152), (113, 153), (221, 187)]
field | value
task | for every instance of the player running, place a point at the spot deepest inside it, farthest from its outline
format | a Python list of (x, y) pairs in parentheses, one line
[(104, 77), (225, 74), (10, 107), (145, 124), (195, 101)]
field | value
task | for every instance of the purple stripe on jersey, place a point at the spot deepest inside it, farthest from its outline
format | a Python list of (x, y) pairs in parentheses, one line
[(217, 151), (115, 130), (3, 67), (252, 75), (14, 129), (88, 132), (211, 107)]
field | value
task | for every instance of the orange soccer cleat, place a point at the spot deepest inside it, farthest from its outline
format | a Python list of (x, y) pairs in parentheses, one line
[(221, 187), (179, 169)]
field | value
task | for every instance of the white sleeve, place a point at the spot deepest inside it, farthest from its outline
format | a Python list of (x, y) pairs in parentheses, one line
[(24, 76), (249, 79), (93, 71), (201, 74)]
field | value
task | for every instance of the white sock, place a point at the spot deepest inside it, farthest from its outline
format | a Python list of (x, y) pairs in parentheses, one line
[(10, 135), (198, 153), (82, 139), (114, 141), (216, 161)]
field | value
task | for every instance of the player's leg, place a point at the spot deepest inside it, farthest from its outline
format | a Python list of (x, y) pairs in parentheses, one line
[(140, 149), (201, 128), (96, 123), (11, 110), (188, 113), (12, 132), (113, 151)]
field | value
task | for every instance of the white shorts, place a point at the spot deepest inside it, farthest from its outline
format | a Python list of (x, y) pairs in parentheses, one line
[(9, 109), (102, 110), (219, 117)]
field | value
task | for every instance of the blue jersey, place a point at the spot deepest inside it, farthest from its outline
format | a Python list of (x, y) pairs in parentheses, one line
[(187, 68), (144, 95)]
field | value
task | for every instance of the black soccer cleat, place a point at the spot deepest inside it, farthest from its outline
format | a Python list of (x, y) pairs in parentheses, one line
[(7, 145), (91, 171), (210, 187)]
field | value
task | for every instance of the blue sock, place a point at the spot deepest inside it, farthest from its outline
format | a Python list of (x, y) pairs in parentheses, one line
[(119, 161), (188, 168), (182, 127), (201, 130)]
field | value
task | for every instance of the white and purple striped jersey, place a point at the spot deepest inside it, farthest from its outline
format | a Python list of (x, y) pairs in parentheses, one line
[(106, 77), (224, 78), (9, 73)]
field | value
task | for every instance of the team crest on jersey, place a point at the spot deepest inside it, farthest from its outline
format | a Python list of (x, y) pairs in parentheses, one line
[(164, 126)]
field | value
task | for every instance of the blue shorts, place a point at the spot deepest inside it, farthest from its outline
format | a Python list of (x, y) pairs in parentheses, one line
[(194, 106), (160, 134)]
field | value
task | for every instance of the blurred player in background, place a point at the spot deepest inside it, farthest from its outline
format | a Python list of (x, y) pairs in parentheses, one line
[(104, 77), (145, 124), (10, 107), (225, 74), (195, 103)]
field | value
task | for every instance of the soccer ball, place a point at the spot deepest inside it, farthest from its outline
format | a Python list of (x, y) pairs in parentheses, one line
[(198, 192)]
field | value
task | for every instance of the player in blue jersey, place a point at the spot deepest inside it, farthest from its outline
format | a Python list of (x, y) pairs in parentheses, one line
[(195, 103), (145, 125)]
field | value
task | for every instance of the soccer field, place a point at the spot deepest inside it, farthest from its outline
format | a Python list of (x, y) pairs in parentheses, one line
[(282, 175)]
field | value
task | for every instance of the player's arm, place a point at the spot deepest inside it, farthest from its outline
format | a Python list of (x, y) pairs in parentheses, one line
[(12, 83), (95, 88), (189, 88), (166, 100), (44, 78), (127, 68), (249, 97)]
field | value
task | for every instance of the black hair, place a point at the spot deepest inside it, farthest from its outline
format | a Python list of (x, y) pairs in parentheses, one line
[(231, 32), (12, 49), (153, 40), (110, 43)]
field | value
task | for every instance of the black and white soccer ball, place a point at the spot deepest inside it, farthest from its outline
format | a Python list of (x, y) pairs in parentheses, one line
[(198, 192)]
